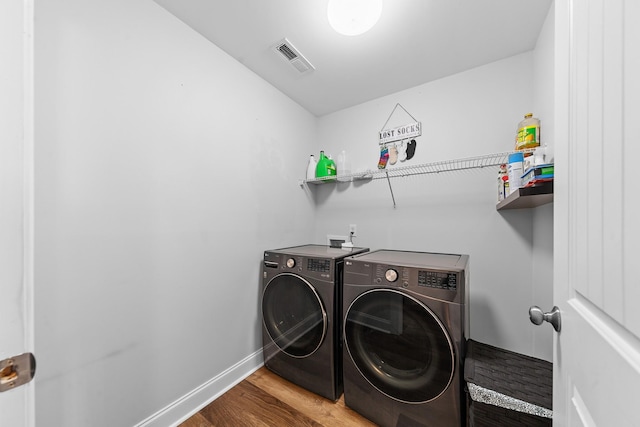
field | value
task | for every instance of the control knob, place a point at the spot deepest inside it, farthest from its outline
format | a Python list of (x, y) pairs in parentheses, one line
[(291, 263), (391, 275)]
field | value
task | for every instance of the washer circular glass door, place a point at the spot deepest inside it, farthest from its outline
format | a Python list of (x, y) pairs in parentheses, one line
[(293, 314), (399, 345)]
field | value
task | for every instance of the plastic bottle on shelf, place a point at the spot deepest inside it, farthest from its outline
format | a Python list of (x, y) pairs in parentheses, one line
[(332, 170), (321, 166), (325, 167), (503, 182), (344, 167), (528, 135), (515, 170), (311, 167), (540, 155), (506, 187)]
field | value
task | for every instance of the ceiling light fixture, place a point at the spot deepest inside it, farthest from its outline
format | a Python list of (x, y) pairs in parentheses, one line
[(353, 17)]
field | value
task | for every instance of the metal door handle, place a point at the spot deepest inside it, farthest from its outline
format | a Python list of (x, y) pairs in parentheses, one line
[(537, 316), (16, 371)]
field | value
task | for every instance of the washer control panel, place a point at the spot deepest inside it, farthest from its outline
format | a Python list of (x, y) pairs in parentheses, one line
[(406, 277), (437, 279)]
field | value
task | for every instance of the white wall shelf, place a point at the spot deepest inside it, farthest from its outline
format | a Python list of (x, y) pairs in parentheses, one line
[(428, 168), (444, 166)]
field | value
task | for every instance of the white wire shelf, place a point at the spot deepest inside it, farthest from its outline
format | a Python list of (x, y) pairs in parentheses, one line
[(443, 166)]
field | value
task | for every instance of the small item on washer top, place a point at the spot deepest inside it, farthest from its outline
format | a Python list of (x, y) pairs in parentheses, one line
[(336, 243), (411, 149), (384, 157), (393, 155)]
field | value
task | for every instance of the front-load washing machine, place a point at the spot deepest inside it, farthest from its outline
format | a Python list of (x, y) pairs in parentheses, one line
[(405, 328), (302, 315)]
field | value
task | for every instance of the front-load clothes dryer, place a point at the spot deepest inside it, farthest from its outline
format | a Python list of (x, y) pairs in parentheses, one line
[(405, 328), (302, 316)]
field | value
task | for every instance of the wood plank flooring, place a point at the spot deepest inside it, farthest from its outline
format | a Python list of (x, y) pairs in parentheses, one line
[(266, 400)]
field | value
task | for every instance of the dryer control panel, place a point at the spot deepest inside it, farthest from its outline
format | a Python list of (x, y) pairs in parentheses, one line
[(319, 265), (406, 277), (437, 283), (436, 275)]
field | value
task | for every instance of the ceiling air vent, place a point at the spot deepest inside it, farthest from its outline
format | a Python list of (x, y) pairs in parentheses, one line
[(290, 54)]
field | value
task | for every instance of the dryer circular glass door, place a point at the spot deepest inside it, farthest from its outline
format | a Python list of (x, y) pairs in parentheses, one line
[(399, 345), (293, 315)]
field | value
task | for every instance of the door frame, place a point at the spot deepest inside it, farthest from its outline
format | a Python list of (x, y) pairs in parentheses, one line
[(18, 106)]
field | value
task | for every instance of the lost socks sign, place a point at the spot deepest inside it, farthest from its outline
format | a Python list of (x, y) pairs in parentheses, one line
[(402, 132)]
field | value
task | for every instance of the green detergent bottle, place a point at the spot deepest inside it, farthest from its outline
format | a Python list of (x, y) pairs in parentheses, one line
[(332, 170), (326, 168)]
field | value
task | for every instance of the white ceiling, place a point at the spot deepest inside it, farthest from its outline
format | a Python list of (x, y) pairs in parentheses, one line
[(415, 41)]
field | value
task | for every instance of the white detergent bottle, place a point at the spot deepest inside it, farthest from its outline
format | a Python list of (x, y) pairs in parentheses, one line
[(311, 168)]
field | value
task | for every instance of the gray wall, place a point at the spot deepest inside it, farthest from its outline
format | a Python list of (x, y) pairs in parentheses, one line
[(468, 114), (164, 168)]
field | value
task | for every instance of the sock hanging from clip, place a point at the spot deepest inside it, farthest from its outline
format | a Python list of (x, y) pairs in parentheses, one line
[(384, 157), (411, 149), (402, 151), (393, 155)]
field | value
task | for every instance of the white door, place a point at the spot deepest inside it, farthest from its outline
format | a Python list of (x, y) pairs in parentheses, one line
[(597, 213), (16, 112)]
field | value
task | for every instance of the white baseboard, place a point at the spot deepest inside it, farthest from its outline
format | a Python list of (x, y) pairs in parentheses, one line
[(192, 402)]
